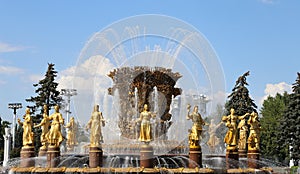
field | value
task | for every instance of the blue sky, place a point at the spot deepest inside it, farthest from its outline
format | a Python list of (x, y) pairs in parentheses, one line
[(257, 35)]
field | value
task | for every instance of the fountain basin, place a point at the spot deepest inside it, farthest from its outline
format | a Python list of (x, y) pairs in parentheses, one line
[(64, 170)]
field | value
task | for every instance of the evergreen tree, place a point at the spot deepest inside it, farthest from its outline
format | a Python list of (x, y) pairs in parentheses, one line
[(46, 94), (239, 99), (290, 124), (272, 111)]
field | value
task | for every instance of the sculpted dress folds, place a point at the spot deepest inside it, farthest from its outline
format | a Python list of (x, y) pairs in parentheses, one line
[(232, 133), (145, 132), (94, 125), (45, 123), (243, 128), (27, 129), (198, 122), (231, 137), (213, 139), (54, 136), (71, 138), (254, 139)]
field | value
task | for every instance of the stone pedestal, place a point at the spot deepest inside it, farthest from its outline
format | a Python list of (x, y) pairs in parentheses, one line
[(195, 155), (232, 158), (43, 151), (53, 155), (95, 157), (253, 157), (146, 158), (27, 154), (243, 153)]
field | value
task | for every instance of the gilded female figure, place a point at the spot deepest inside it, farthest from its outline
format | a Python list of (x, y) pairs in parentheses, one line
[(253, 139), (243, 129), (213, 140), (94, 125), (198, 122), (231, 136), (45, 123), (27, 128), (145, 131), (54, 135), (71, 137)]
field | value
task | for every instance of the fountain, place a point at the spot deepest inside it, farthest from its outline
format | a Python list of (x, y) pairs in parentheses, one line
[(143, 81), (153, 154), (160, 76)]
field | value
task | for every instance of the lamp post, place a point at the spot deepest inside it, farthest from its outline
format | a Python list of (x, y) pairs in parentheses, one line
[(14, 106), (202, 100), (68, 93)]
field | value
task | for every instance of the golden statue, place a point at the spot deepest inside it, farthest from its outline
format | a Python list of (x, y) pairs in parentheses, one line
[(243, 130), (254, 139), (231, 137), (45, 124), (54, 135), (145, 131), (196, 131), (27, 128), (72, 130), (94, 125), (213, 140)]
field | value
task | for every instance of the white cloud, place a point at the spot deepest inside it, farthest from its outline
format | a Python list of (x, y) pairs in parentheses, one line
[(5, 47), (92, 72), (273, 89), (91, 82), (10, 70)]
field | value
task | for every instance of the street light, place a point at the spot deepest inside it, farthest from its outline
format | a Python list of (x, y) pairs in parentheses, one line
[(68, 93), (14, 106), (202, 100)]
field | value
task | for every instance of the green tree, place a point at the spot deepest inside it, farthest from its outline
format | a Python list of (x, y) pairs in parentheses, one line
[(272, 111), (290, 124), (48, 94), (240, 99)]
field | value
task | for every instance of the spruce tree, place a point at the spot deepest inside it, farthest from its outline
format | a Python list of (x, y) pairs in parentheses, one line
[(240, 99), (290, 124), (48, 94), (272, 111)]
